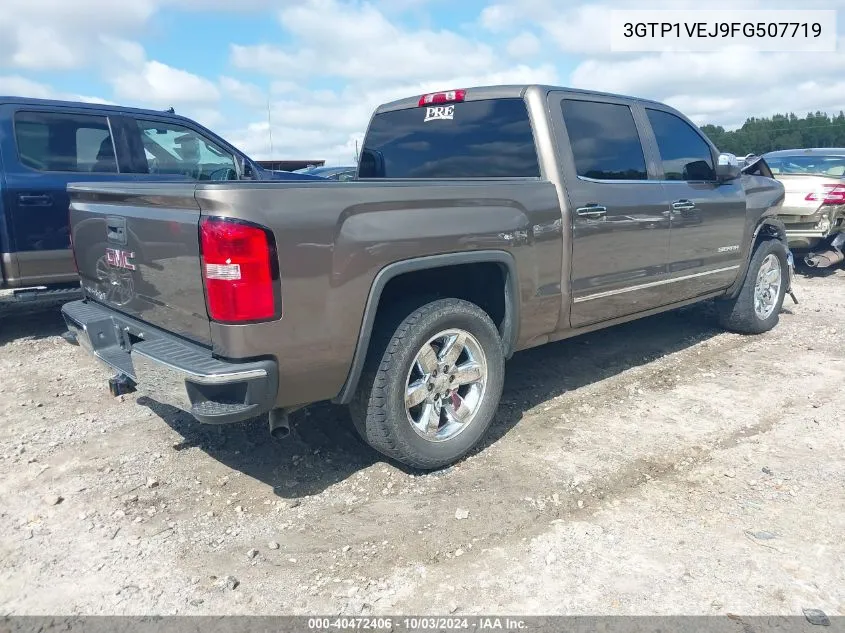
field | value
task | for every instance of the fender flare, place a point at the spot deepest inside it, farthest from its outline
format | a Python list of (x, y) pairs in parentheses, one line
[(767, 226), (510, 323)]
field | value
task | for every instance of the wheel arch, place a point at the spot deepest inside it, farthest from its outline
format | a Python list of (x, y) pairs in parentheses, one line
[(767, 228), (508, 328)]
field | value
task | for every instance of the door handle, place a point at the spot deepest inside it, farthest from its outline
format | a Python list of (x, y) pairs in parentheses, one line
[(591, 211), (683, 205), (35, 200)]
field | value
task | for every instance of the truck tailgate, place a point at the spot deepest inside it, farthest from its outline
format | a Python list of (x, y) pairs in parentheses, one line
[(137, 251)]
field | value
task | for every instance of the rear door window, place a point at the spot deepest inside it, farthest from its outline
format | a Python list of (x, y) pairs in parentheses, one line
[(491, 138), (51, 141), (604, 140), (684, 154), (177, 150)]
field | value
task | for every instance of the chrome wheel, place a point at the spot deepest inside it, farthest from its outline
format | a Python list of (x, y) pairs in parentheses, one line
[(767, 286), (446, 385)]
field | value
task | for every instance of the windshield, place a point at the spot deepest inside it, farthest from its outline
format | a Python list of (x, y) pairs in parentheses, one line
[(831, 166)]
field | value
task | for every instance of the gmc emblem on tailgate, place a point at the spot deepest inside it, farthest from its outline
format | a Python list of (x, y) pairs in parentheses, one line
[(120, 259)]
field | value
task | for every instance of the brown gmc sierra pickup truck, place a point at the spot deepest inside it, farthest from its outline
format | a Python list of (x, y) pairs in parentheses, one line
[(483, 221)]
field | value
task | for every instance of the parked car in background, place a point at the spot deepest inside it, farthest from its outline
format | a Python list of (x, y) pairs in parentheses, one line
[(45, 145), (345, 172), (814, 205), (482, 224)]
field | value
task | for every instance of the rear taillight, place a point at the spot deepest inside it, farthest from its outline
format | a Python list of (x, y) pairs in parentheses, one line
[(240, 271), (828, 195)]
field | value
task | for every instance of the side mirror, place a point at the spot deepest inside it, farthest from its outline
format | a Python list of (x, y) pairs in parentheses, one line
[(727, 167)]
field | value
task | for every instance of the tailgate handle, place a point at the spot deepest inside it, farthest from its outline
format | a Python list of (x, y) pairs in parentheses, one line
[(116, 230), (35, 200)]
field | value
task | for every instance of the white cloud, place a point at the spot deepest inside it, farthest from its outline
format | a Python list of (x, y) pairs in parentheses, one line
[(357, 42), (724, 87), (66, 34), (712, 73), (24, 87), (378, 61), (127, 52), (498, 17), (243, 92), (57, 34), (525, 44), (367, 53), (209, 117), (160, 84), (138, 80)]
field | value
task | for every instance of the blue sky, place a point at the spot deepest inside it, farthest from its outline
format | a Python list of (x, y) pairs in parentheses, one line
[(323, 65)]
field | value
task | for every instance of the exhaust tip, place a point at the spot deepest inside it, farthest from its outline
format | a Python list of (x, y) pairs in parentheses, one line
[(279, 424), (280, 432)]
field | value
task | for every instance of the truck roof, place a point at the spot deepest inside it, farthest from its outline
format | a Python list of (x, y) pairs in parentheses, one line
[(85, 105), (507, 91)]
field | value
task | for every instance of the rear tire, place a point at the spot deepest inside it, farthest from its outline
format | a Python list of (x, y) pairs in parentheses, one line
[(756, 308), (431, 384)]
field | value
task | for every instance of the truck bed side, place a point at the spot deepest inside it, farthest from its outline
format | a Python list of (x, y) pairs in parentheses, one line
[(333, 240)]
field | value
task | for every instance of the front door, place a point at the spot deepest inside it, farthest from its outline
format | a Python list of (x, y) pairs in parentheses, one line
[(620, 227), (707, 217)]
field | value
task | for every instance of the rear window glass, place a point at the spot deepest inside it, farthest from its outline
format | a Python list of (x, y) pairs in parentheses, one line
[(832, 166), (474, 139), (50, 141)]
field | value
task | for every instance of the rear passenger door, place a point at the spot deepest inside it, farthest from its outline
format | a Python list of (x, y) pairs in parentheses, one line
[(707, 216), (619, 219), (50, 148)]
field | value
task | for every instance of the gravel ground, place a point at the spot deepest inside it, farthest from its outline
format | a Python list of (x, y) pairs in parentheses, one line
[(660, 467)]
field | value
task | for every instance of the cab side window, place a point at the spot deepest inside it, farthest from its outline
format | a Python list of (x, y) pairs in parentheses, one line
[(604, 140), (684, 154), (54, 141), (177, 150)]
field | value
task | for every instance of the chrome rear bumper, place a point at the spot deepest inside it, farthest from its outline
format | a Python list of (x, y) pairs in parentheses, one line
[(170, 369)]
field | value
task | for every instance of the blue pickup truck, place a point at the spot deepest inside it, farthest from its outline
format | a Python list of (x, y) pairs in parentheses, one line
[(45, 145)]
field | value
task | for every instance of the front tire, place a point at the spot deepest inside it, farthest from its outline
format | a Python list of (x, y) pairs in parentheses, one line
[(431, 385), (757, 306)]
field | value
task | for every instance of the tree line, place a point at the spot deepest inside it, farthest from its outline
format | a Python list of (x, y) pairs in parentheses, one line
[(782, 131)]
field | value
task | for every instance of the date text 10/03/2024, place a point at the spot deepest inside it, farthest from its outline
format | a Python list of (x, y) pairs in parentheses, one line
[(417, 624)]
